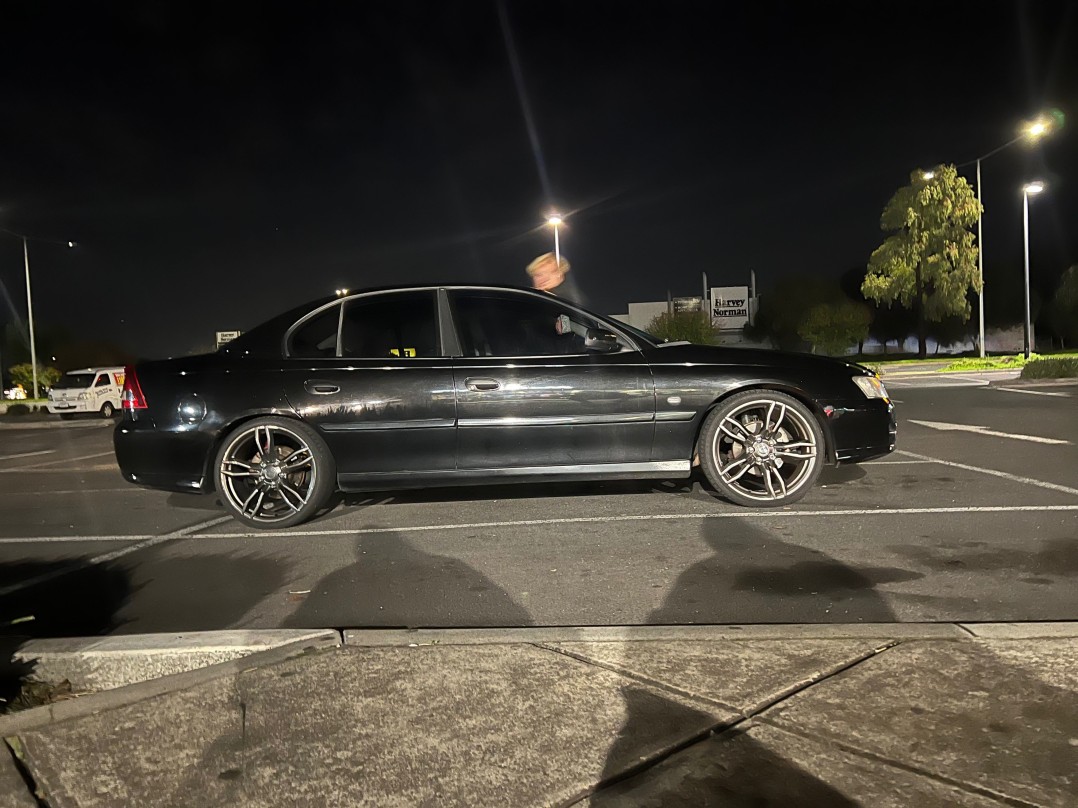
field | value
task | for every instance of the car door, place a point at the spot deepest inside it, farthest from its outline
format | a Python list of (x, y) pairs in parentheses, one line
[(530, 393), (369, 374)]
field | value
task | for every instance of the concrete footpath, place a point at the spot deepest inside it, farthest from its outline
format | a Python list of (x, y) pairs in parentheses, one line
[(881, 715)]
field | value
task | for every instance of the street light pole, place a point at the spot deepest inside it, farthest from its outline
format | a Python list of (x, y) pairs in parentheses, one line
[(1030, 188), (980, 267), (30, 312)]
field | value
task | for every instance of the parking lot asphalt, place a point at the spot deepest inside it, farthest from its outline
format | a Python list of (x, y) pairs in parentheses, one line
[(974, 518)]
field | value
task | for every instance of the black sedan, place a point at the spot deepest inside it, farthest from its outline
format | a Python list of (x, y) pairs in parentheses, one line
[(454, 385)]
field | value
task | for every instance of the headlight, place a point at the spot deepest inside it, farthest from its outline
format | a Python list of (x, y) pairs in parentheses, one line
[(871, 386), (82, 396)]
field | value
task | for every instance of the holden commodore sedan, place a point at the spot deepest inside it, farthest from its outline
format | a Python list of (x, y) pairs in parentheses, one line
[(411, 387)]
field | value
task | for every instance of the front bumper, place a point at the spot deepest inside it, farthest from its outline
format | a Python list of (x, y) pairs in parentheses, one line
[(862, 430), (64, 407)]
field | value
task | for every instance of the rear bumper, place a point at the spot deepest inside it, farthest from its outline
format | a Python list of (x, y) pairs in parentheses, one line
[(862, 431), (169, 460)]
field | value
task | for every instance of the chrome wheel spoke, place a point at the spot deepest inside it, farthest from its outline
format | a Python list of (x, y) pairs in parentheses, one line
[(298, 460), (745, 466), (258, 495), (285, 490), (265, 442), (772, 427), (778, 478), (741, 435), (237, 468)]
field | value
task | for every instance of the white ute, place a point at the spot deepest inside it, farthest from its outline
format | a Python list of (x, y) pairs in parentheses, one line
[(87, 390)]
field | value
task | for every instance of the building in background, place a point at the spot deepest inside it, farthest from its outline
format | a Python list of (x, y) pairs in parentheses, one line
[(731, 309)]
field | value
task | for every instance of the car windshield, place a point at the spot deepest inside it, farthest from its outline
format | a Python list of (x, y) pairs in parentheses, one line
[(74, 381)]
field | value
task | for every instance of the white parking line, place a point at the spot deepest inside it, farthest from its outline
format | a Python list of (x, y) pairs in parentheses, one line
[(142, 542), (27, 454), (54, 462), (1032, 392), (189, 533), (994, 472)]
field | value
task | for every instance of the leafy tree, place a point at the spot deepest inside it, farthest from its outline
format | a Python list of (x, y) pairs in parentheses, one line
[(24, 375), (834, 327), (1063, 310), (784, 308), (929, 262), (950, 331), (690, 326)]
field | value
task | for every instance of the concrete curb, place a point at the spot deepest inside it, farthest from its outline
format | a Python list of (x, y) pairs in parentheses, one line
[(105, 663), (303, 641), (1023, 383), (375, 638)]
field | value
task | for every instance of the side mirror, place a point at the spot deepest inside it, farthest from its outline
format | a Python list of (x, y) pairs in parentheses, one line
[(602, 341)]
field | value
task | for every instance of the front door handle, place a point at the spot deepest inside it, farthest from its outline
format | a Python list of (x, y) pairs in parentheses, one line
[(482, 385), (318, 388)]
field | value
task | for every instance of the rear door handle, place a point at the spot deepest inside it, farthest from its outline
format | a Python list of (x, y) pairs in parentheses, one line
[(482, 385), (320, 388)]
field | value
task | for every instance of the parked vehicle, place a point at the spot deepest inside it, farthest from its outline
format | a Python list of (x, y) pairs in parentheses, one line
[(422, 386), (90, 390)]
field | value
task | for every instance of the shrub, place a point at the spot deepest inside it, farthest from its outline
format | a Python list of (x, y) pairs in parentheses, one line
[(690, 326), (1049, 368), (18, 409)]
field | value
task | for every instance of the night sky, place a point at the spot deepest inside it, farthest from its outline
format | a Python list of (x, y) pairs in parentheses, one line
[(220, 163)]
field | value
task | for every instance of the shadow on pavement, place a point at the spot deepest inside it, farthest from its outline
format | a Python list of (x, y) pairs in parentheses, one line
[(783, 581), (393, 584)]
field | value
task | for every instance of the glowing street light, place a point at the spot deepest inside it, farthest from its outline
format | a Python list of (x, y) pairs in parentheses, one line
[(1030, 132), (555, 220), (928, 175), (341, 292), (1028, 190)]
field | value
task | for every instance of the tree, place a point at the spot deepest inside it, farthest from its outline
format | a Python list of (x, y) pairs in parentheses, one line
[(1063, 311), (929, 262), (785, 307), (834, 327), (24, 375), (690, 326)]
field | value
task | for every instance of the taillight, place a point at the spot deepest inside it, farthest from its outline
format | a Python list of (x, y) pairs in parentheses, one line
[(132, 398)]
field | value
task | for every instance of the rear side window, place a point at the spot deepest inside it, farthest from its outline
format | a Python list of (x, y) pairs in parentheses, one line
[(400, 325), (316, 337)]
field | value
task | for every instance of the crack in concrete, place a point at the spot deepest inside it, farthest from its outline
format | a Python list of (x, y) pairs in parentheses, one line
[(961, 785), (638, 677), (719, 728), (23, 768)]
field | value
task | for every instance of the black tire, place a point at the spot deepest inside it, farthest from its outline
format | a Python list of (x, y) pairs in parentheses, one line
[(107, 410), (261, 497), (762, 449)]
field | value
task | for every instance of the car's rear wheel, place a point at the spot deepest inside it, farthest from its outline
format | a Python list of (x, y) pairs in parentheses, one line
[(107, 410), (762, 448), (274, 472)]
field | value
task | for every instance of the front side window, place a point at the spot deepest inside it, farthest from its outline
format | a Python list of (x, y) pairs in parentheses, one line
[(401, 325), (497, 324), (102, 380)]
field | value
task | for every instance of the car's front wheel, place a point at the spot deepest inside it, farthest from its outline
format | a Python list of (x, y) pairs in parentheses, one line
[(762, 448), (274, 472)]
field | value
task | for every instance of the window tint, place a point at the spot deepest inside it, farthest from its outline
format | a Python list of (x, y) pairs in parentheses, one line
[(396, 324), (102, 380), (493, 324), (317, 337)]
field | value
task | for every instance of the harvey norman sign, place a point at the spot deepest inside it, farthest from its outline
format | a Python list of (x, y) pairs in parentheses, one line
[(729, 306)]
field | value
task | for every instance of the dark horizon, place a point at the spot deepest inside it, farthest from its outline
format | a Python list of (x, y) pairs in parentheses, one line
[(218, 165)]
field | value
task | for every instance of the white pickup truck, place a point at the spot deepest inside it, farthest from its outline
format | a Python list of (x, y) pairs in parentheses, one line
[(87, 390)]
